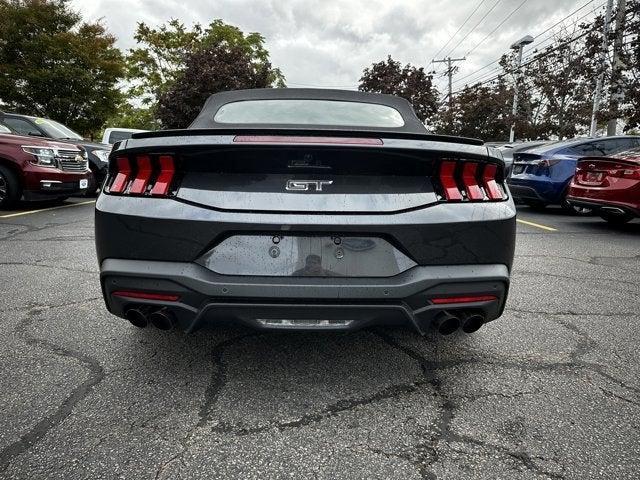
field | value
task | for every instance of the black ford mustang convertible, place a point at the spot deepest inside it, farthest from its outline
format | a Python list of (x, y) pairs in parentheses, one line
[(305, 209)]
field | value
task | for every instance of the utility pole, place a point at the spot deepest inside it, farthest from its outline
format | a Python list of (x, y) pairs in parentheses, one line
[(519, 45), (603, 59), (615, 89), (450, 71)]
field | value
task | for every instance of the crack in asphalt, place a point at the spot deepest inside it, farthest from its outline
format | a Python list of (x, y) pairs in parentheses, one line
[(79, 393), (443, 433)]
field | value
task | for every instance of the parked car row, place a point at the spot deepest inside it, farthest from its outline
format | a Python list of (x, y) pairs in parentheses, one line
[(44, 159), (599, 174)]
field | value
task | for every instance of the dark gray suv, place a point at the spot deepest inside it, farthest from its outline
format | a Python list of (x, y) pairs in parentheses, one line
[(305, 209)]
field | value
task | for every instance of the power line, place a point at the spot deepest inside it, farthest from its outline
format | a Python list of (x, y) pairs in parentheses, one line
[(458, 31), (496, 28), (537, 46), (535, 59), (473, 28)]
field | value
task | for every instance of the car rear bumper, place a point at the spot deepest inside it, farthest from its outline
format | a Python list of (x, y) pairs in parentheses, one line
[(536, 188), (596, 205), (309, 303)]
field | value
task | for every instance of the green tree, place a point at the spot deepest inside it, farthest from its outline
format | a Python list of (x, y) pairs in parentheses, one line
[(479, 111), (409, 82), (208, 70), (163, 53), (52, 64)]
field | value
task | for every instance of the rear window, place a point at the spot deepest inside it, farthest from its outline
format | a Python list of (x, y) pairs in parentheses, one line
[(309, 112), (118, 136)]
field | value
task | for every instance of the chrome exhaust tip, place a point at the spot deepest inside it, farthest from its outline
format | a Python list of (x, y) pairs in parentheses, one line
[(614, 210), (162, 319), (472, 321), (137, 317), (445, 323)]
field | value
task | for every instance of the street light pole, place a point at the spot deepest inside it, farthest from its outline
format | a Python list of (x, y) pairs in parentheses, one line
[(603, 59), (519, 45)]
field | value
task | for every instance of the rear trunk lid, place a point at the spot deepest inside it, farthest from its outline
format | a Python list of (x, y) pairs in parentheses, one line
[(324, 173)]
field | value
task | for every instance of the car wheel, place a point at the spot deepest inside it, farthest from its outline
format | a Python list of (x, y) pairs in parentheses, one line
[(616, 219), (9, 188), (536, 205)]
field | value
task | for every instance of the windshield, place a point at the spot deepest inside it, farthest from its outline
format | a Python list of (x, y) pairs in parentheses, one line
[(309, 112), (54, 129)]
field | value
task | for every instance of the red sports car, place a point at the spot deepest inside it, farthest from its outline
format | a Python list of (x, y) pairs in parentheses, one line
[(609, 185)]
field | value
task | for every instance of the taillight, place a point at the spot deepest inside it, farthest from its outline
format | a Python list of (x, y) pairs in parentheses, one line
[(122, 175), (547, 162), (143, 175), (625, 172), (469, 180), (448, 181)]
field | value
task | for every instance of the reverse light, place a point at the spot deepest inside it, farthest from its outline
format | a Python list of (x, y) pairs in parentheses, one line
[(163, 297), (463, 299)]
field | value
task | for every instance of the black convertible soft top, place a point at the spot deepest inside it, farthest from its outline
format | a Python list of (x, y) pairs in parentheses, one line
[(205, 121), (206, 117)]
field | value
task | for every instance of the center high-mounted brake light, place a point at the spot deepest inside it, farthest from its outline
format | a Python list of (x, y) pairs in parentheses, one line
[(143, 175), (308, 139), (469, 180)]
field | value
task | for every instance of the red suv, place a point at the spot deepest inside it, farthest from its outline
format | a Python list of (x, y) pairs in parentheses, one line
[(37, 169), (609, 185)]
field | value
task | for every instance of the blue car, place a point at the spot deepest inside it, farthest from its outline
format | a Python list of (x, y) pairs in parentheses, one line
[(541, 176)]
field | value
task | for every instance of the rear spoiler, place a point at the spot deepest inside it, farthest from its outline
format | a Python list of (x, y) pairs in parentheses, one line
[(310, 132)]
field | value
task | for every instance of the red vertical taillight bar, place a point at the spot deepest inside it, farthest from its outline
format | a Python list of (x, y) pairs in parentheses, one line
[(489, 180), (165, 177), (469, 172), (143, 175), (448, 181), (122, 175)]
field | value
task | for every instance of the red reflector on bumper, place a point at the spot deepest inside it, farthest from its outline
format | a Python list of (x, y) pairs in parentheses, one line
[(167, 297), (463, 299)]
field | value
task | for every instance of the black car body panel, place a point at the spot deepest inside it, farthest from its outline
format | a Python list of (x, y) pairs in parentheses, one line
[(313, 227)]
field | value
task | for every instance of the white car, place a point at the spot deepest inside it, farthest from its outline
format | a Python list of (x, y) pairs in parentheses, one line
[(113, 135)]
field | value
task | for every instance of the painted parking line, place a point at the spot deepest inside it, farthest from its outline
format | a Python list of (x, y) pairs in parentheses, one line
[(29, 212), (537, 225)]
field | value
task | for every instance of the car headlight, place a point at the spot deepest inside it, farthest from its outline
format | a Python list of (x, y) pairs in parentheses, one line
[(103, 155), (45, 157)]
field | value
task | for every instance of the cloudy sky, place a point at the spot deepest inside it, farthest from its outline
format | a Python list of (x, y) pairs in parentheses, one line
[(327, 43)]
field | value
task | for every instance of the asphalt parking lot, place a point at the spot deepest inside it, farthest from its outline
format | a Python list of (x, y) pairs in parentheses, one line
[(550, 390)]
